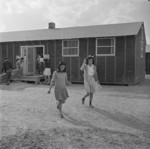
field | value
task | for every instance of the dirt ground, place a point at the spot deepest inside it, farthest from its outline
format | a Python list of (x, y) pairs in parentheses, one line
[(120, 119)]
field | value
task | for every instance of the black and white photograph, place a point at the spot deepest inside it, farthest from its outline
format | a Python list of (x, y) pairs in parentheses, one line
[(74, 74)]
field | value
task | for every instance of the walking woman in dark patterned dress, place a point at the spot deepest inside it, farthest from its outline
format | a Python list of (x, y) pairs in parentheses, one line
[(59, 78)]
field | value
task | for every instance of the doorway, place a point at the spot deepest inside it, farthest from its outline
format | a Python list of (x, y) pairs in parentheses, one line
[(29, 53)]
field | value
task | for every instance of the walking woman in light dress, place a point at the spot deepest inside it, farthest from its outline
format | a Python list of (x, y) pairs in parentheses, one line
[(59, 78), (90, 78)]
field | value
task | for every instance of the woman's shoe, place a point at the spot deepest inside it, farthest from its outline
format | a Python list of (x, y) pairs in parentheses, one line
[(91, 106), (61, 115)]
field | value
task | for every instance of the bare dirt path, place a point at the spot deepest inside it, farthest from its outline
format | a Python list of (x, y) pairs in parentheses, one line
[(29, 119)]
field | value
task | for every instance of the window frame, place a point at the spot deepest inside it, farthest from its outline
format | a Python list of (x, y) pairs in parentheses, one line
[(113, 54), (33, 46), (72, 55)]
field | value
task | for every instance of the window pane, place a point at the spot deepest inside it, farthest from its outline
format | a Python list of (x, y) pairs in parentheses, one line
[(104, 42), (65, 43), (65, 51), (104, 50), (70, 51), (75, 43), (70, 43), (112, 50), (112, 42), (75, 51)]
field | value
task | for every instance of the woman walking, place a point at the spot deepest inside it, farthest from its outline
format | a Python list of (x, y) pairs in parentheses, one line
[(59, 78), (90, 78)]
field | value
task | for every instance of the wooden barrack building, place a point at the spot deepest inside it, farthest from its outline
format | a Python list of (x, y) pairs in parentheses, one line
[(119, 50)]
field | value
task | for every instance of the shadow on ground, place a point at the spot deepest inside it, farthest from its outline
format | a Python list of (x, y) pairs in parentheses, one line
[(125, 119)]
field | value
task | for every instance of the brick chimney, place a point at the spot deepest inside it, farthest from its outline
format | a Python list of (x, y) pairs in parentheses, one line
[(51, 25)]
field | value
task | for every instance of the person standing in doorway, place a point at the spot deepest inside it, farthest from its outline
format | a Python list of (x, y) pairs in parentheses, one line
[(19, 66), (59, 78), (41, 64), (38, 63), (47, 71), (7, 68), (90, 78)]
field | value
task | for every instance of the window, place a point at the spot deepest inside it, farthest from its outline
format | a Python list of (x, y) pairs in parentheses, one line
[(105, 47), (70, 48)]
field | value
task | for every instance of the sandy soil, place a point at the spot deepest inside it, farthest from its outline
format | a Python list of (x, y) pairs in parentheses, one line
[(120, 119)]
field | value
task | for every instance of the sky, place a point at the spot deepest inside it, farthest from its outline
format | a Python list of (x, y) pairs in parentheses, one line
[(16, 15)]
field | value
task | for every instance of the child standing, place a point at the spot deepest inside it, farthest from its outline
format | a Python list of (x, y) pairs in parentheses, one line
[(59, 78), (19, 66), (90, 78), (47, 71), (41, 65)]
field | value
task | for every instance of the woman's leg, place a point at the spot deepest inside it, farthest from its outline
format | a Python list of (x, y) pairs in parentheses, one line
[(83, 99), (45, 79), (48, 80), (91, 98), (59, 107)]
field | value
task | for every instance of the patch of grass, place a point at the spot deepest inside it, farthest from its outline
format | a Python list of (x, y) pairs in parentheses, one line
[(73, 138)]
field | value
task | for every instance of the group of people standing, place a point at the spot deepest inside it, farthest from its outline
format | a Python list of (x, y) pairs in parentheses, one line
[(59, 79), (8, 68)]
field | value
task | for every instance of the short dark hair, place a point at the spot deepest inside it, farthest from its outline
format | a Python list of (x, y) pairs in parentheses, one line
[(90, 57), (60, 64)]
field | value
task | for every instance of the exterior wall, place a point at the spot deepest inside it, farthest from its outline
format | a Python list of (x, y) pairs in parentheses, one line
[(84, 49), (74, 63), (118, 69), (51, 51), (120, 60), (6, 50), (140, 59), (147, 64), (130, 59), (58, 52), (1, 61)]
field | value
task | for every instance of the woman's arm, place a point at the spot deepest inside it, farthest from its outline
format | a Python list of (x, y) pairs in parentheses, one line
[(96, 77), (66, 80), (83, 65), (52, 81)]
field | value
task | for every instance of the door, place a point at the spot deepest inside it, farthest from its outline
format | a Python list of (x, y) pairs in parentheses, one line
[(28, 53), (24, 55), (31, 61)]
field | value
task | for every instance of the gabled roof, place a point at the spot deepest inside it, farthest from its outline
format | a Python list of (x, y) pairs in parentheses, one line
[(123, 29)]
